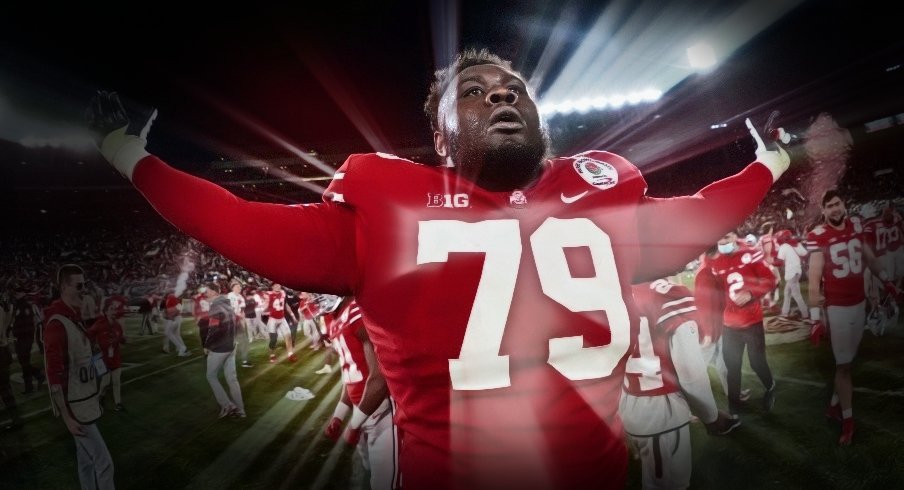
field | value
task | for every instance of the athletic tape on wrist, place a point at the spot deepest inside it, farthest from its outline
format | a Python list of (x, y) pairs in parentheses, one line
[(358, 418)]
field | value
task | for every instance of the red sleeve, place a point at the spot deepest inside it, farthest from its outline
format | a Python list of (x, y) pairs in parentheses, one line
[(708, 299), (313, 251), (55, 346), (765, 280), (674, 231)]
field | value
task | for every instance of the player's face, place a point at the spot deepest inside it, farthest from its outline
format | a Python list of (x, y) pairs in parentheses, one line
[(834, 211), (729, 238), (490, 128), (73, 289), (113, 311)]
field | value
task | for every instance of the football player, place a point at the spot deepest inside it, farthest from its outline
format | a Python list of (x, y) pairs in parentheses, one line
[(790, 252), (172, 329), (742, 278), (364, 395), (839, 254), (507, 359), (277, 326), (885, 235), (665, 380)]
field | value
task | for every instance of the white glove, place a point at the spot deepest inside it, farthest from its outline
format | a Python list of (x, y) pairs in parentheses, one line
[(122, 139), (777, 161)]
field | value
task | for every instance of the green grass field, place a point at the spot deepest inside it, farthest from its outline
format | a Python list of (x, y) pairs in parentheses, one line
[(170, 436)]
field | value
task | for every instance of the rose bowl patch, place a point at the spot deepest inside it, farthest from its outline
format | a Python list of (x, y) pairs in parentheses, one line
[(597, 173)]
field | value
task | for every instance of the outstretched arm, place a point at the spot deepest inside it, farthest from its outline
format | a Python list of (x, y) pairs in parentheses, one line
[(234, 227), (674, 231)]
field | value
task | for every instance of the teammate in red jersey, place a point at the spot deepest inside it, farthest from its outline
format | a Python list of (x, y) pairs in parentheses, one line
[(665, 380), (365, 395), (277, 326), (839, 250), (742, 277), (885, 235), (507, 360)]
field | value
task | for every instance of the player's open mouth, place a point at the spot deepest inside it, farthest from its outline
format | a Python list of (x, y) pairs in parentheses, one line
[(506, 126), (506, 119)]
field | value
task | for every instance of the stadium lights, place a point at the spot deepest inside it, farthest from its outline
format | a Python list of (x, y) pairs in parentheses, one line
[(587, 104), (623, 49), (701, 56)]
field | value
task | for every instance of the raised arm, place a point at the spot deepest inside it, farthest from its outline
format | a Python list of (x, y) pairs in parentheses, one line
[(313, 251), (674, 231)]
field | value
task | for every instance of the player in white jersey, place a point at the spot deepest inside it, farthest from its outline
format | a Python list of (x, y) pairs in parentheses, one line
[(665, 380)]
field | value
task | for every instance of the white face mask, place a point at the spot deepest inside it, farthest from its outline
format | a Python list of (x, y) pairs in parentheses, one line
[(727, 248)]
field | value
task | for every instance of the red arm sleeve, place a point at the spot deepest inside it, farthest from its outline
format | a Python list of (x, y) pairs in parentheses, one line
[(55, 346), (708, 299), (313, 251), (674, 231), (765, 280)]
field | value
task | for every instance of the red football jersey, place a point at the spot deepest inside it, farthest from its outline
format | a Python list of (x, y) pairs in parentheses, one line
[(663, 306), (342, 332), (171, 305), (502, 321), (842, 272), (276, 304), (309, 309), (743, 270), (884, 237)]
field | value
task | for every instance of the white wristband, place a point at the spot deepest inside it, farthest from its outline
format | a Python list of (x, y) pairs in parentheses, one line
[(342, 410), (883, 276), (358, 418), (815, 313), (123, 151)]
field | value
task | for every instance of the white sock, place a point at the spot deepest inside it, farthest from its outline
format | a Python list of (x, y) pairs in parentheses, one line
[(834, 399), (846, 414)]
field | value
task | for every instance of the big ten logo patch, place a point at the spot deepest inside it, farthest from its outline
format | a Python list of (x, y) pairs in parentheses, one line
[(436, 200)]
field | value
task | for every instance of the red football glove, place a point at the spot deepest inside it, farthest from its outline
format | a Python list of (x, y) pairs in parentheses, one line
[(817, 332), (333, 429), (352, 436), (892, 290)]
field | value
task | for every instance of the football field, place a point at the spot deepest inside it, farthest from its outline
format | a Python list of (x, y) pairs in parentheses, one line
[(170, 436)]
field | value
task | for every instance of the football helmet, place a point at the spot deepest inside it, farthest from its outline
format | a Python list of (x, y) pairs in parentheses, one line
[(326, 303)]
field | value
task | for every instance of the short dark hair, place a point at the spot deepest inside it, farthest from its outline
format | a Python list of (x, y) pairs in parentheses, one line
[(443, 77), (829, 195), (66, 271)]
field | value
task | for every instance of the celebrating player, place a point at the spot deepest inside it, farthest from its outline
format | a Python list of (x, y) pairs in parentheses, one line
[(507, 359)]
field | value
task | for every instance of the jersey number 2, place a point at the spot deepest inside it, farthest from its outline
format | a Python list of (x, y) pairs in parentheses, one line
[(479, 365)]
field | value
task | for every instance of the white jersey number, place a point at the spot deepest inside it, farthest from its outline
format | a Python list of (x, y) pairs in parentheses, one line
[(735, 284), (647, 365), (847, 258), (479, 365), (350, 371)]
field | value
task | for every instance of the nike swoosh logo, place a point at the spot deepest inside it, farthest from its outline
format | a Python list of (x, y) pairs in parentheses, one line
[(569, 200)]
